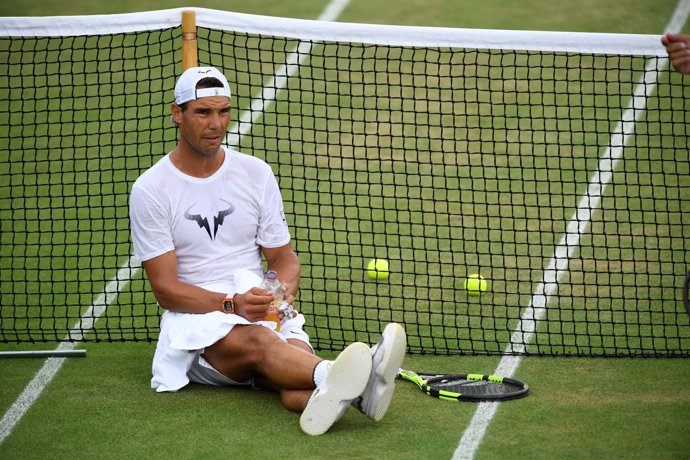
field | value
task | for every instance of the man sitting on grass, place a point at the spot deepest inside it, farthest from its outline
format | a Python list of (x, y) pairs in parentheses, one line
[(202, 218)]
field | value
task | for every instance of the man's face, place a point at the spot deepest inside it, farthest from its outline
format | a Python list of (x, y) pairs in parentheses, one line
[(204, 123)]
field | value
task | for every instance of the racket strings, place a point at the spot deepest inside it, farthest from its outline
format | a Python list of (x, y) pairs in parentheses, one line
[(469, 387)]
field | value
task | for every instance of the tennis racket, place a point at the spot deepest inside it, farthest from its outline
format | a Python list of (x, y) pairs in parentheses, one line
[(467, 387)]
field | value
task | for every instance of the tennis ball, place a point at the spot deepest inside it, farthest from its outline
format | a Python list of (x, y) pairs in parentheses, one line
[(475, 284), (378, 269)]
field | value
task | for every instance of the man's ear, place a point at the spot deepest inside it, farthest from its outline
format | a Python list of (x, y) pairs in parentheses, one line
[(175, 114)]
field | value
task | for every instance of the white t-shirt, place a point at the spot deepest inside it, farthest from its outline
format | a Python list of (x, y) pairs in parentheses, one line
[(216, 225)]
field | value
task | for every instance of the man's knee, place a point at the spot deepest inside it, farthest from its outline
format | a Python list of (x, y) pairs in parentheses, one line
[(249, 341), (240, 353)]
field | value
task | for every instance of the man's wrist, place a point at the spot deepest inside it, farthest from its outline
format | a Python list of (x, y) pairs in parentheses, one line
[(229, 305)]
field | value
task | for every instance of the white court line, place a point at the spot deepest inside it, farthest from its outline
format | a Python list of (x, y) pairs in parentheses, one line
[(126, 272), (578, 225), (52, 365)]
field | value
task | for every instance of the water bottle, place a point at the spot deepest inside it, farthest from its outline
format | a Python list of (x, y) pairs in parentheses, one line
[(272, 284)]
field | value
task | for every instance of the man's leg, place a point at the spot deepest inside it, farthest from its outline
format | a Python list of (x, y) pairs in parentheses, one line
[(345, 381), (293, 400), (248, 351), (387, 356)]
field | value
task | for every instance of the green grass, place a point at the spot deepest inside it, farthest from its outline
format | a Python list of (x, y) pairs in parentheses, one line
[(102, 406), (644, 16)]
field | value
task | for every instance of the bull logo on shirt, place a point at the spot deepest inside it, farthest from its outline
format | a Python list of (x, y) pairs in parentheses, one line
[(203, 222)]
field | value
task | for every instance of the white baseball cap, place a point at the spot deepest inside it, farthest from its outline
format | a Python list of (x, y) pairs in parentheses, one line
[(185, 88)]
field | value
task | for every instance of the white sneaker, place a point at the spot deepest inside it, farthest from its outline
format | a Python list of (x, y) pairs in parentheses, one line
[(387, 357), (344, 382)]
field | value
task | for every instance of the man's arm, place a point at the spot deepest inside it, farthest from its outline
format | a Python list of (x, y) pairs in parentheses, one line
[(174, 295), (678, 49)]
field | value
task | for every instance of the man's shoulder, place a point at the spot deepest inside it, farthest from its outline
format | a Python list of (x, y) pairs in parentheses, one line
[(152, 175), (249, 162), (241, 156)]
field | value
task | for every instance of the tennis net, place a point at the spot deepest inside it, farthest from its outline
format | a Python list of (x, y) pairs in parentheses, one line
[(553, 164)]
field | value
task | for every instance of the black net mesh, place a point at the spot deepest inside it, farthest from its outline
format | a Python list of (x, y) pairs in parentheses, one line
[(562, 178)]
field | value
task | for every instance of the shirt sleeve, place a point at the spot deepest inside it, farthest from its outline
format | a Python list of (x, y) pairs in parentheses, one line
[(273, 228), (150, 226)]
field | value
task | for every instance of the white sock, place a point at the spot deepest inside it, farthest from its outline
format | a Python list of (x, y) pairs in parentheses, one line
[(321, 371)]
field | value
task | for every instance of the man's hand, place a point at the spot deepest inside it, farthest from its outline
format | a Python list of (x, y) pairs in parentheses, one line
[(678, 49), (253, 304)]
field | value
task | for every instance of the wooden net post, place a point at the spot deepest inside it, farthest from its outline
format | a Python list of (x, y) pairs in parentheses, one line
[(189, 49)]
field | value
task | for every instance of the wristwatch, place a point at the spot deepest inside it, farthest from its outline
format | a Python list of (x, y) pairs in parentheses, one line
[(229, 305)]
